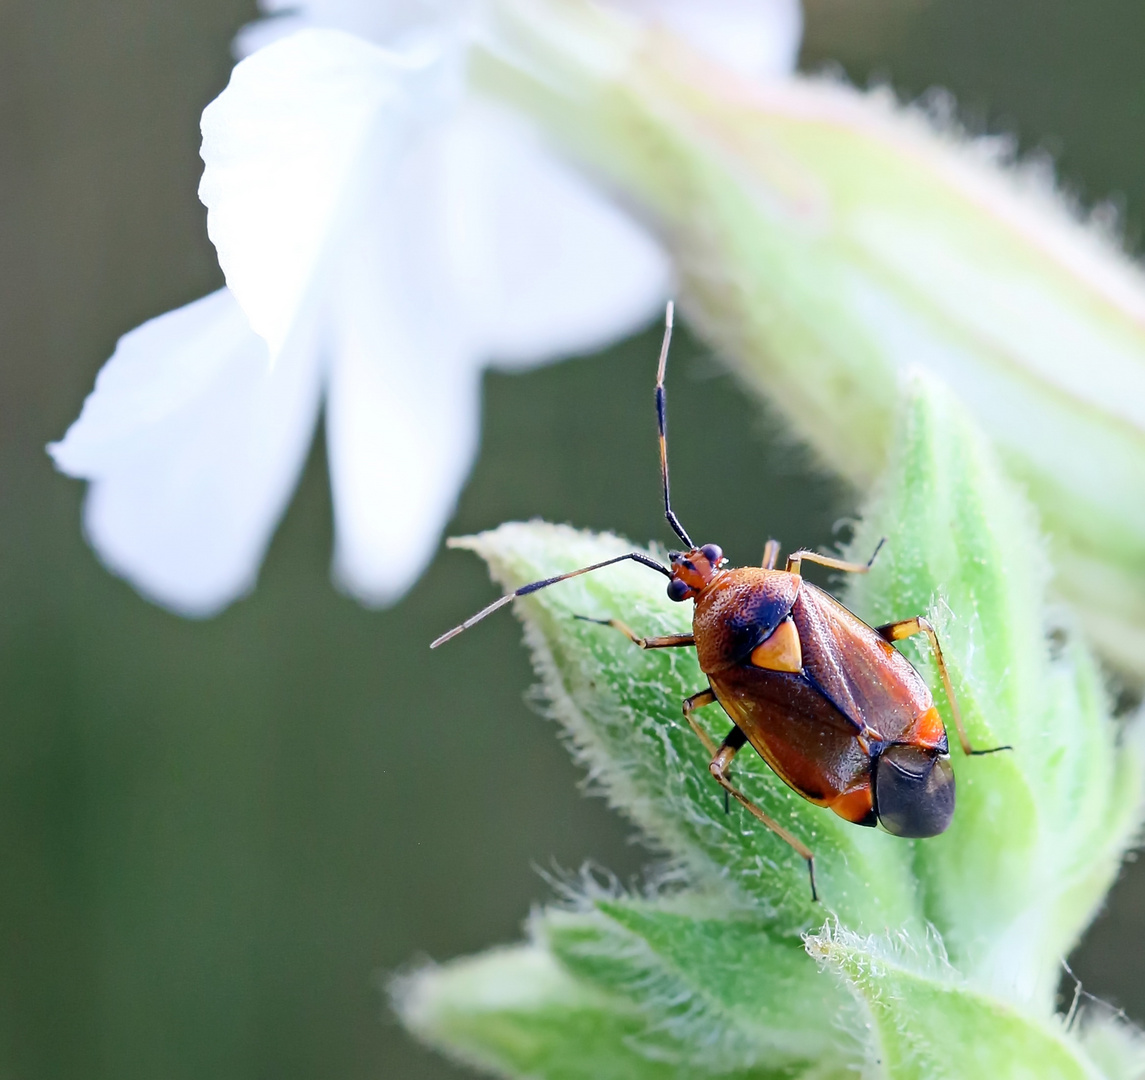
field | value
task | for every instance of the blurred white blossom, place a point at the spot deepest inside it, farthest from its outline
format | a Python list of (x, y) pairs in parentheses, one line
[(385, 233)]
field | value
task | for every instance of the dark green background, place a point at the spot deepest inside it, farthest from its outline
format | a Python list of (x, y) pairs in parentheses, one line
[(216, 837)]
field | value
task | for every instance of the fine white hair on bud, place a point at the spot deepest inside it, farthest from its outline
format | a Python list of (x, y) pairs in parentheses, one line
[(944, 952)]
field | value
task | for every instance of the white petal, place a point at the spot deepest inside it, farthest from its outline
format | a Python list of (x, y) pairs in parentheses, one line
[(282, 147), (404, 394), (264, 32), (192, 444), (759, 38), (542, 263), (402, 442), (480, 245), (381, 23)]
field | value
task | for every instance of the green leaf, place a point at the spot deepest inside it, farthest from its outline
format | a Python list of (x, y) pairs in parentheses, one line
[(1040, 830), (515, 1012), (712, 979), (721, 980), (928, 1024)]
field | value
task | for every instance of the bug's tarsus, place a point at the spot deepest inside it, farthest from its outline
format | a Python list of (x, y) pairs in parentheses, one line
[(727, 802), (662, 426), (875, 553), (534, 586)]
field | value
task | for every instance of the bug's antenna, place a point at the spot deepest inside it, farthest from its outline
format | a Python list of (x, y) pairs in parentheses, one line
[(524, 590), (662, 425)]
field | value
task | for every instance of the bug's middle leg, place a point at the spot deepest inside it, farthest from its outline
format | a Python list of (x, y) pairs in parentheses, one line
[(721, 761), (691, 704)]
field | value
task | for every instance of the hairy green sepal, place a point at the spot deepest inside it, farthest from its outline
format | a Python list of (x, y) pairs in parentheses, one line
[(930, 958)]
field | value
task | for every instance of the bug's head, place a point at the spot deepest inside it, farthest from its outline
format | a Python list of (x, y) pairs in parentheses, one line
[(914, 790), (693, 571)]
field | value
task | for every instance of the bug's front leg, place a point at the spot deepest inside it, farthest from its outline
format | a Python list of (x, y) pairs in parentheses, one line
[(667, 641)]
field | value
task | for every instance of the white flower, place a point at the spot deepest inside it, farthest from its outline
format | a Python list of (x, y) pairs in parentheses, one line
[(385, 235)]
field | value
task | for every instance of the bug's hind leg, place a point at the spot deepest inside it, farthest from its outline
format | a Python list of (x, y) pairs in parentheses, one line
[(904, 628), (721, 761), (668, 641)]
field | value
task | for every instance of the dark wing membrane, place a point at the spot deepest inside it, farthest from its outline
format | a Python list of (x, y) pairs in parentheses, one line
[(863, 674), (808, 743)]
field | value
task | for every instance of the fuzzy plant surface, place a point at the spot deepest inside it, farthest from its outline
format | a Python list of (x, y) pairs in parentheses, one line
[(827, 239), (935, 958)]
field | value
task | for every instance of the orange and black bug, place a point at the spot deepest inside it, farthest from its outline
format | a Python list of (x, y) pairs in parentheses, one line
[(826, 700)]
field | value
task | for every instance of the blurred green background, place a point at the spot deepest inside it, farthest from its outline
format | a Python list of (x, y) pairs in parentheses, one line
[(216, 838)]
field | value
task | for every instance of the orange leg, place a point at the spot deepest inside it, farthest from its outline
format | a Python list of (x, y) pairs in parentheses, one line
[(721, 761), (795, 560), (668, 641), (905, 628), (719, 768), (691, 704)]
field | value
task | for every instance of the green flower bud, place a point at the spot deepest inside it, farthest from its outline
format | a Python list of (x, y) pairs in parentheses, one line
[(826, 239), (925, 958)]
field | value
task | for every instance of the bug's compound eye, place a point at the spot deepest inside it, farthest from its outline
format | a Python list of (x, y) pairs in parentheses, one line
[(914, 791), (713, 553), (678, 590)]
